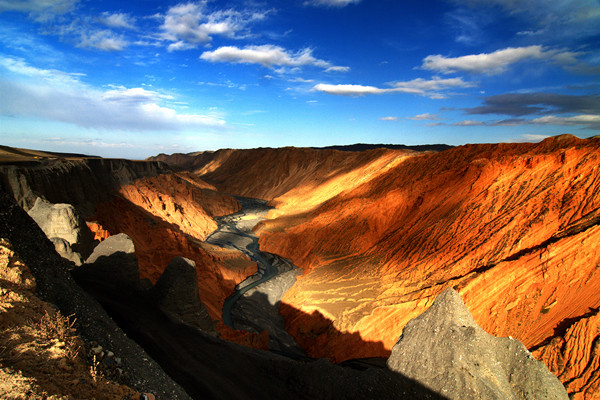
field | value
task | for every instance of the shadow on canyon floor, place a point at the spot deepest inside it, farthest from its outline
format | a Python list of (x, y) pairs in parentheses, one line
[(210, 368), (316, 332)]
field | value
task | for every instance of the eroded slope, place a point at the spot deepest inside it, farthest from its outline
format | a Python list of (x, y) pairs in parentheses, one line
[(515, 226)]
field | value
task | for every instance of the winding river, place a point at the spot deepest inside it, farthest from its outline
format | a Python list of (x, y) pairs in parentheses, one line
[(235, 232)]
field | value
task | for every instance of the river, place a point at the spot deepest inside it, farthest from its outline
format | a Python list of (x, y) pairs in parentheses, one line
[(235, 232)]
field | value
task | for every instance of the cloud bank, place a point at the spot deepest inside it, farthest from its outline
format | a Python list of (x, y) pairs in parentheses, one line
[(496, 62), (58, 96), (432, 88), (268, 56)]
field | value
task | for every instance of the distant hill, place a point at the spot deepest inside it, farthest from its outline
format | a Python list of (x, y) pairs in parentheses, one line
[(366, 146), (12, 154)]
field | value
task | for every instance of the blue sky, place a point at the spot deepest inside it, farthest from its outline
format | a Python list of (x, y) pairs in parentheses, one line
[(136, 78)]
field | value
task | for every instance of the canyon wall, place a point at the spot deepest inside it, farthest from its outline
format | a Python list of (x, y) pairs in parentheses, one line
[(166, 214), (81, 182), (513, 227), (170, 215), (270, 173)]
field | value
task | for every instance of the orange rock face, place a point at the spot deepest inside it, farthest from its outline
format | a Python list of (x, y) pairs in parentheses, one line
[(270, 173), (182, 200), (574, 356), (513, 226), (98, 230)]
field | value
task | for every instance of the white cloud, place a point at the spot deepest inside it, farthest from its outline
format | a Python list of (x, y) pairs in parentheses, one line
[(469, 122), (348, 90), (189, 25), (58, 96), (530, 137), (41, 10), (331, 3), (266, 55), (425, 117), (103, 40), (496, 62), (389, 119), (592, 121), (431, 88), (301, 80), (118, 20), (337, 69)]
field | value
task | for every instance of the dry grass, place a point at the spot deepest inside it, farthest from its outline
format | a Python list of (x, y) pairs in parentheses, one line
[(59, 328)]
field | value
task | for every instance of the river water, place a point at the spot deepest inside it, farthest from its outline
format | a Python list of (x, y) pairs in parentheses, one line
[(235, 233)]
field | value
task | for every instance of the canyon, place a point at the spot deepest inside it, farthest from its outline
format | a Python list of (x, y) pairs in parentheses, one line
[(364, 240)]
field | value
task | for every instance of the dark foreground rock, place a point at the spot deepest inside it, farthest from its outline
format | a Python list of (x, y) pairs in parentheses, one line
[(176, 294), (447, 351), (113, 261), (55, 285)]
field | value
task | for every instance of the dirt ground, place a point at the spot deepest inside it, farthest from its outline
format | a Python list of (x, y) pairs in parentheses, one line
[(40, 355)]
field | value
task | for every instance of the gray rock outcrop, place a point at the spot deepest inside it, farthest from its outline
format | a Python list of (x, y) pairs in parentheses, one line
[(445, 350), (63, 225), (113, 262), (176, 294)]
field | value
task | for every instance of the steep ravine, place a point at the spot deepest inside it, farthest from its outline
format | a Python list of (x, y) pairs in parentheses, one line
[(208, 367)]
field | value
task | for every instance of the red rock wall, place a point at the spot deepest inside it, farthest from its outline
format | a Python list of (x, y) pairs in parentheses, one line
[(513, 226), (181, 200), (270, 173), (574, 357)]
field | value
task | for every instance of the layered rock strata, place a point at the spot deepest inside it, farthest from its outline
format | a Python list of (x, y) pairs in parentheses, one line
[(512, 225), (82, 182)]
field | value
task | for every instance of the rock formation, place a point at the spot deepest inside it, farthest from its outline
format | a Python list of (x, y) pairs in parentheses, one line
[(448, 352), (176, 294), (157, 242), (113, 262), (63, 225), (574, 355), (54, 284), (82, 182), (181, 200)]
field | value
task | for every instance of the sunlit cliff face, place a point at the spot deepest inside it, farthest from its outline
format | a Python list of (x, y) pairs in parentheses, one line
[(379, 234)]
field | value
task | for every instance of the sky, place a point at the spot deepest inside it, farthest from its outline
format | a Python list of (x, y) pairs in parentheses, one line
[(136, 78)]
